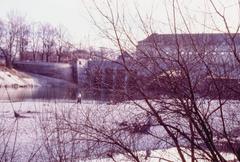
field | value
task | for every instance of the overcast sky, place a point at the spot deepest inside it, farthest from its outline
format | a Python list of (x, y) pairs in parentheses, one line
[(73, 15)]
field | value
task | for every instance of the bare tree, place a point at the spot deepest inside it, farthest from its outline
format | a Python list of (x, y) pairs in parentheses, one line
[(34, 41), (179, 67), (47, 34), (23, 38), (14, 33), (63, 46)]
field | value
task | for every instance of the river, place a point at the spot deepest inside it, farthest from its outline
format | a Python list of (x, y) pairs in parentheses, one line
[(45, 93)]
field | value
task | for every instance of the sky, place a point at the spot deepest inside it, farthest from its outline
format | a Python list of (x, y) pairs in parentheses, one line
[(74, 15)]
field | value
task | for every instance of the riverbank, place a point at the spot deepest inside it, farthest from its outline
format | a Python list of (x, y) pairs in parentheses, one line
[(14, 78), (17, 79)]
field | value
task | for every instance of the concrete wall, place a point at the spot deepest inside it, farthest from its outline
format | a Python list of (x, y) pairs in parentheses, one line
[(56, 70), (80, 72)]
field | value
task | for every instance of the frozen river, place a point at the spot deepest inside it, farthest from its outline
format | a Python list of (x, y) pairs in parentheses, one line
[(33, 136), (60, 128)]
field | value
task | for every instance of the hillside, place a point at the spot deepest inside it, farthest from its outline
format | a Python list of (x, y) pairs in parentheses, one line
[(15, 78)]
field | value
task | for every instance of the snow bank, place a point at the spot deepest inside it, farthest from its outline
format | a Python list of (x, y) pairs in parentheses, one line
[(14, 78), (161, 155)]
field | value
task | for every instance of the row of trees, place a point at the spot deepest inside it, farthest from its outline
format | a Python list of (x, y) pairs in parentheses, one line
[(17, 37)]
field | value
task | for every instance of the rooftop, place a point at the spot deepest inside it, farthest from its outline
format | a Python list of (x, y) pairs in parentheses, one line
[(196, 38)]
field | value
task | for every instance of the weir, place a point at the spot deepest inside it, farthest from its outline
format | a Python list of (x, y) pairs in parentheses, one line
[(96, 76)]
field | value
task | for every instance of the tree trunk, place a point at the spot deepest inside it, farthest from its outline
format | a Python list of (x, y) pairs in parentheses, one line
[(8, 62), (42, 55), (47, 58), (8, 58), (21, 54), (34, 56), (59, 58)]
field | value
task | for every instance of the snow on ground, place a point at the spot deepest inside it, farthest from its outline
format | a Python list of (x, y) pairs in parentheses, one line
[(160, 155), (14, 78), (37, 111)]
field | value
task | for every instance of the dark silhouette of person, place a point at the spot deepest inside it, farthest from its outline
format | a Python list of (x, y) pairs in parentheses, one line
[(79, 98)]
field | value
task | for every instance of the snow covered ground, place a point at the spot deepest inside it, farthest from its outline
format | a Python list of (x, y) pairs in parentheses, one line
[(14, 78), (40, 118), (160, 155)]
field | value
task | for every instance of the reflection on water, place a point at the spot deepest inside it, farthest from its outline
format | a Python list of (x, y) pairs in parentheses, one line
[(61, 93), (103, 95), (20, 94)]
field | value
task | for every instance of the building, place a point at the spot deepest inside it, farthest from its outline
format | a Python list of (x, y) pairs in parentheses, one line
[(208, 59)]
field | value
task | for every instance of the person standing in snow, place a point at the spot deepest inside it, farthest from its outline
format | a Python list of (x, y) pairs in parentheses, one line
[(79, 98)]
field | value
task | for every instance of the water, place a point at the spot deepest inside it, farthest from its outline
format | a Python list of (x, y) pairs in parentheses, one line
[(59, 93), (48, 93)]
